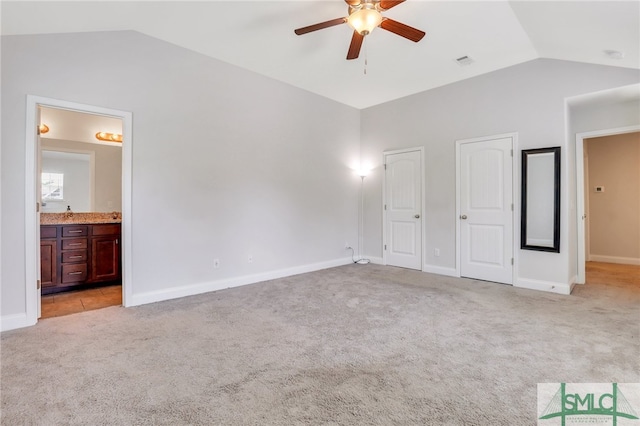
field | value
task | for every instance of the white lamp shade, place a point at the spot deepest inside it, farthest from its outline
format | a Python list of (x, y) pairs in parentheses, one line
[(364, 20)]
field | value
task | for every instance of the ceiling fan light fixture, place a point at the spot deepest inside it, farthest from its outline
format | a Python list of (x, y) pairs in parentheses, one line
[(364, 20)]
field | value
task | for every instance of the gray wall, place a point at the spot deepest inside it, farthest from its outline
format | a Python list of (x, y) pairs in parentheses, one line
[(108, 171), (226, 163), (529, 99)]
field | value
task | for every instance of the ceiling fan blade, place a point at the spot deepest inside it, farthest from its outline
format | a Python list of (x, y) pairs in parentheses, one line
[(320, 26), (388, 4), (356, 44), (402, 30)]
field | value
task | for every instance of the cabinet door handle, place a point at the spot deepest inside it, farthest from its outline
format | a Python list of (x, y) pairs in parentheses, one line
[(76, 231), (116, 241), (75, 257), (75, 244), (75, 273)]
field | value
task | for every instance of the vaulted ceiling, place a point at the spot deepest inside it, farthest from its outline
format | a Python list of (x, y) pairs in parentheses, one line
[(258, 35)]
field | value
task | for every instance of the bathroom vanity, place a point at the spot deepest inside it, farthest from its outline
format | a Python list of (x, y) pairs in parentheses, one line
[(79, 250)]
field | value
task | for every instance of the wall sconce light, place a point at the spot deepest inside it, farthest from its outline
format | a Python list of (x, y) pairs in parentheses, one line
[(109, 137), (43, 129)]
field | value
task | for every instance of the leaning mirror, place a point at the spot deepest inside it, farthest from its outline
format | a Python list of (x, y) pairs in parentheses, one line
[(540, 221)]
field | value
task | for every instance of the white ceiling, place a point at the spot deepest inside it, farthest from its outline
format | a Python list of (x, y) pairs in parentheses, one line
[(258, 35)]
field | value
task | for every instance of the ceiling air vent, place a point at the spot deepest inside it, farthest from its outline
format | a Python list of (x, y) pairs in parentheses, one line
[(463, 61)]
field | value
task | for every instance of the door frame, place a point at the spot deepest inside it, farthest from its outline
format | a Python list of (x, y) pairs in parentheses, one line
[(581, 209), (422, 201), (32, 216), (515, 171)]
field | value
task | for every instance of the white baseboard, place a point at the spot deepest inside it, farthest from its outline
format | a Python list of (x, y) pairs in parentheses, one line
[(440, 270), (11, 322), (614, 259), (193, 289), (574, 281), (375, 260), (553, 287)]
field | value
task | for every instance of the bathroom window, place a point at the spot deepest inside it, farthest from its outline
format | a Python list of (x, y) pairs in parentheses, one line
[(52, 184)]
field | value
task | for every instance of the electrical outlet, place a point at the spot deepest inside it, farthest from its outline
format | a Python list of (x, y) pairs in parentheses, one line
[(216, 263), (250, 259), (436, 252)]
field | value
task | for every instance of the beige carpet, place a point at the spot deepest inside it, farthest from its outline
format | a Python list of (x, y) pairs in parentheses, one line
[(355, 345)]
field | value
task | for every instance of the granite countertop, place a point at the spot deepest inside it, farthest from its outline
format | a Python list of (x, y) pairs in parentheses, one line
[(78, 218)]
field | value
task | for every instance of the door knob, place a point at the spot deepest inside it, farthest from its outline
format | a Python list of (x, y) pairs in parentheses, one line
[(463, 217), (417, 216)]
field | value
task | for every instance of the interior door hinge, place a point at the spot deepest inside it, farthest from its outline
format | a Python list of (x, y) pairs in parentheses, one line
[(512, 261), (38, 130), (385, 246), (385, 206), (37, 207), (38, 285), (511, 206), (385, 167), (512, 153)]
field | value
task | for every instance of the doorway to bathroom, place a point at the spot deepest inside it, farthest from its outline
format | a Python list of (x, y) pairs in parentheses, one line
[(78, 181), (80, 215)]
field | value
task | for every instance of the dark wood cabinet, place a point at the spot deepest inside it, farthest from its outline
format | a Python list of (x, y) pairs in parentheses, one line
[(74, 255), (105, 253), (48, 264)]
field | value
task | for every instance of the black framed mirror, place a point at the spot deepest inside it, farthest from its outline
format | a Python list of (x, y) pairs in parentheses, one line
[(540, 215)]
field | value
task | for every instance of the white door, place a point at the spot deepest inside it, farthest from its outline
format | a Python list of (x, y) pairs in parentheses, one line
[(486, 210), (38, 181), (403, 209)]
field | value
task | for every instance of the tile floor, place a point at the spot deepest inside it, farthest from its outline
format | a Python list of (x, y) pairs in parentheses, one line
[(613, 274), (59, 304)]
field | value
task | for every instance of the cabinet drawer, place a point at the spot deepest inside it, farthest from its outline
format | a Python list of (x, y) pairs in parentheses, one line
[(75, 256), (74, 231), (112, 229), (74, 243), (48, 232), (72, 273)]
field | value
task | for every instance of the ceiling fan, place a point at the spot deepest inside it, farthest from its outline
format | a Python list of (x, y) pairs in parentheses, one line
[(364, 16)]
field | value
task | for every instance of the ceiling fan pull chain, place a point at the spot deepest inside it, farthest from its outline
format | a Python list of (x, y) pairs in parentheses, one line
[(366, 56)]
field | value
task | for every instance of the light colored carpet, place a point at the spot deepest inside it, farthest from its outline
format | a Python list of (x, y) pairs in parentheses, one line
[(354, 345)]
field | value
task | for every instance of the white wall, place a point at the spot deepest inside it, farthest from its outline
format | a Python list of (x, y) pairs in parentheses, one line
[(226, 163), (526, 98)]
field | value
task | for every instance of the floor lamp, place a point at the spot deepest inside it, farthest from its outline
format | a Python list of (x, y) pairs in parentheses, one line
[(361, 260)]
